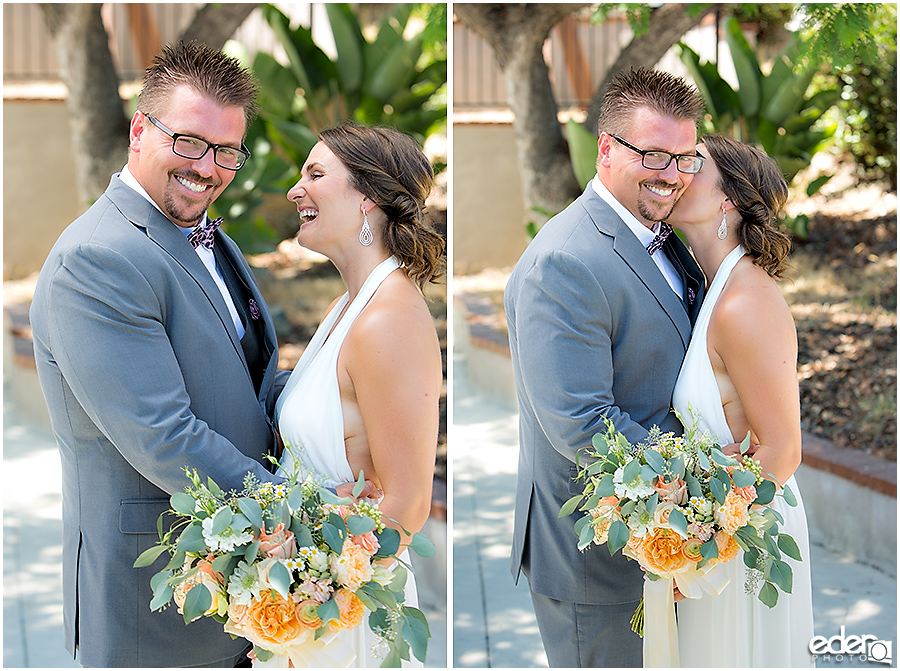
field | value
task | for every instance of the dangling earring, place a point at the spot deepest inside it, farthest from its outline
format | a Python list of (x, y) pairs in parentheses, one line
[(723, 227), (365, 235)]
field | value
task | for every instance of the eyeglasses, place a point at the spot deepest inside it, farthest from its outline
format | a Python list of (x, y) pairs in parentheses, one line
[(188, 146), (653, 159)]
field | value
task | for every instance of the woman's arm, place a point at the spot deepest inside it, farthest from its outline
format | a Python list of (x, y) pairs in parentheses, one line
[(754, 340)]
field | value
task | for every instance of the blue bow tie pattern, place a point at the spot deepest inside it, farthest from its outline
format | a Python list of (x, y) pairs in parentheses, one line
[(203, 235)]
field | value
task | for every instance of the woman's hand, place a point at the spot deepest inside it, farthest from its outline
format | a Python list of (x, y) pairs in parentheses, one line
[(370, 491)]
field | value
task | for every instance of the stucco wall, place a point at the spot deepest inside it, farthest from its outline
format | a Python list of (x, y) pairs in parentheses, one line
[(40, 197), (488, 215)]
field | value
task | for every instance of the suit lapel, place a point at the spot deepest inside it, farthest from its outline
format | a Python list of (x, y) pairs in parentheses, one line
[(635, 256), (691, 275), (173, 242)]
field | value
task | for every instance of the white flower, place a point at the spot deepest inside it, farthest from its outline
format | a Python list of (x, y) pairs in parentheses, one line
[(382, 575), (314, 557), (244, 584), (226, 541), (636, 489), (640, 521), (703, 507)]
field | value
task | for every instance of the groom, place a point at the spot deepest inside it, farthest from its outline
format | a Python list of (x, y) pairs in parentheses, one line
[(155, 352), (600, 308)]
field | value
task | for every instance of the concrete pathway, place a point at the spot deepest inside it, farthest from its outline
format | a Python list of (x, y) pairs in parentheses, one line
[(493, 622)]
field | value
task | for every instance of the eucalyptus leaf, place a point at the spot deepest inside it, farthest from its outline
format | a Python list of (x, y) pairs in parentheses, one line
[(389, 542), (585, 534), (751, 557), (295, 498), (148, 556), (416, 633), (606, 486), (328, 611), (182, 503), (789, 497), (780, 573), (358, 525), (262, 654), (617, 537), (280, 579), (743, 478), (768, 595), (251, 510), (745, 444), (191, 539), (196, 603), (718, 490), (422, 545), (333, 537), (678, 522), (655, 461), (710, 549), (765, 492), (161, 597), (569, 506), (360, 485), (788, 546), (601, 445), (631, 471)]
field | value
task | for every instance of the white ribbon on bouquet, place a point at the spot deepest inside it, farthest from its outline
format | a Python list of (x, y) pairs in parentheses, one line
[(660, 628)]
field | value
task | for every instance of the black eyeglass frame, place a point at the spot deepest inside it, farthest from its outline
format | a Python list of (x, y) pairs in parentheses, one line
[(696, 159), (209, 145)]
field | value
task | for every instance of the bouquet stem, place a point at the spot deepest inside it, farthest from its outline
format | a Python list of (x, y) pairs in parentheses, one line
[(637, 620)]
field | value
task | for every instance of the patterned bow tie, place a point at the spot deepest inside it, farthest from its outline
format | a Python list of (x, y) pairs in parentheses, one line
[(656, 243), (203, 235)]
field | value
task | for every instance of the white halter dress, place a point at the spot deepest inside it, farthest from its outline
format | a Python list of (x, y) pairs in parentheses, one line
[(736, 629), (311, 421)]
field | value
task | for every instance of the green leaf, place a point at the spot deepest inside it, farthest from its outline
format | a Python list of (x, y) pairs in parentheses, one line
[(333, 537), (745, 444), (150, 555), (678, 522), (357, 525), (601, 445), (251, 552), (295, 498), (789, 546), (583, 156), (585, 533), (280, 578), (302, 534), (328, 611), (214, 488), (710, 549), (191, 539), (765, 492), (569, 506), (415, 632), (751, 557), (618, 536), (262, 654), (422, 545), (347, 41), (182, 503), (196, 603), (743, 478), (360, 484), (221, 520), (606, 486), (631, 471), (389, 542), (781, 574), (693, 484), (718, 490), (391, 660), (655, 461), (161, 597), (768, 595), (723, 459), (789, 497)]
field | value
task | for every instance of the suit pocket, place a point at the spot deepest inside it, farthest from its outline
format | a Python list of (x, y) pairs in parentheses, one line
[(139, 516)]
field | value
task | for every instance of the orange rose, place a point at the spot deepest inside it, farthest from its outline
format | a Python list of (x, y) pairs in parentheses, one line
[(368, 542), (351, 608), (728, 547), (733, 514), (673, 492), (747, 493), (661, 552), (204, 576), (352, 567), (306, 613), (272, 620), (279, 544)]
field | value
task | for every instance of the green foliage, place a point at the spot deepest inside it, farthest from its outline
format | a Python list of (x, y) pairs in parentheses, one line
[(396, 78), (842, 33)]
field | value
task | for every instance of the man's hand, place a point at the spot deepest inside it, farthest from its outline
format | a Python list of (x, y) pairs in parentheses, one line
[(370, 491)]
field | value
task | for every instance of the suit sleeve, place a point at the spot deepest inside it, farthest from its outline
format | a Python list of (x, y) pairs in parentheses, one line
[(564, 326), (110, 343)]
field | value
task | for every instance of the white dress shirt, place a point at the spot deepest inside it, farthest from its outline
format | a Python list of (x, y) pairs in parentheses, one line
[(644, 235), (206, 255)]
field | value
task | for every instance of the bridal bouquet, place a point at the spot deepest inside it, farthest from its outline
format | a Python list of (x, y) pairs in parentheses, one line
[(679, 506), (287, 567)]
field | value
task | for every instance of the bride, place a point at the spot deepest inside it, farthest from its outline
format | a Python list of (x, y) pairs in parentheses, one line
[(364, 395), (740, 374)]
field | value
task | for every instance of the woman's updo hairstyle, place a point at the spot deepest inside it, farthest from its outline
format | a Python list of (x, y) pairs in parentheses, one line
[(753, 182), (389, 168)]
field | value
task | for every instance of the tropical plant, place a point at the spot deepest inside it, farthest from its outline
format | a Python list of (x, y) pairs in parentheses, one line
[(396, 79)]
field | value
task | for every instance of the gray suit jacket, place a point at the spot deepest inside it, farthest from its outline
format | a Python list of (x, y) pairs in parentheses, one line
[(143, 374), (595, 331)]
